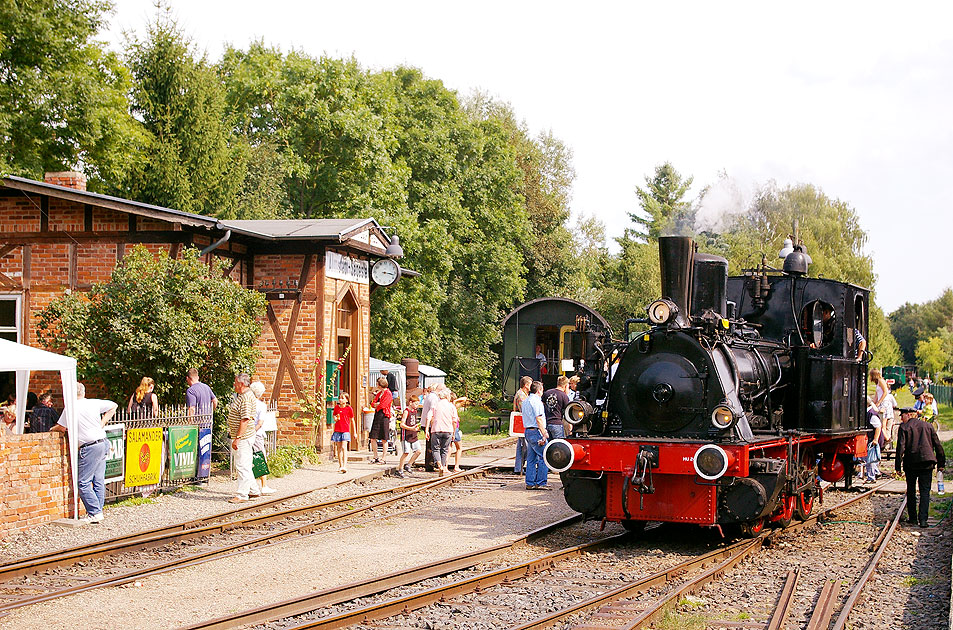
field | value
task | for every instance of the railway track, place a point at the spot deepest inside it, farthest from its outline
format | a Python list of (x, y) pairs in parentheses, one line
[(485, 590), (129, 558)]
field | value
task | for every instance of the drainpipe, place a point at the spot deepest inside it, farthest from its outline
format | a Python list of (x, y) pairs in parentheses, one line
[(219, 242)]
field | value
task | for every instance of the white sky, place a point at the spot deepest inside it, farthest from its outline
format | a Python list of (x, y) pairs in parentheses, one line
[(854, 98)]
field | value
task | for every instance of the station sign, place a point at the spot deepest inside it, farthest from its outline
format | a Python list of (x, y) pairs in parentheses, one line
[(183, 452), (205, 452), (344, 267), (144, 461)]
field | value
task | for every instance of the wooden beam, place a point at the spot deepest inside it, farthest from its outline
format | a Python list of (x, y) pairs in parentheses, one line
[(27, 267), (73, 265), (120, 251), (88, 218), (24, 238), (286, 361), (44, 214), (7, 282), (6, 249), (175, 250)]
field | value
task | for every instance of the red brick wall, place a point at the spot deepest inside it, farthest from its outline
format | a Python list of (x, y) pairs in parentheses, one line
[(36, 484)]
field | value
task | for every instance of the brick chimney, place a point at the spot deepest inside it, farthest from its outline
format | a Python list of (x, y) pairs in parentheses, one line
[(69, 179)]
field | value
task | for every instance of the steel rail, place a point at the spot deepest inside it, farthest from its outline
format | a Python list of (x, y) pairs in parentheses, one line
[(245, 545), (371, 586), (855, 593), (824, 608), (600, 600), (42, 561), (783, 608)]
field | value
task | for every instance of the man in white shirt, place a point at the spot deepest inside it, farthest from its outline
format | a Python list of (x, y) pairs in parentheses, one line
[(91, 416)]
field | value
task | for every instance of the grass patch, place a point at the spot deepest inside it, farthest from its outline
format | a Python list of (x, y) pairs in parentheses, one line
[(911, 581), (742, 616), (678, 621), (134, 501), (188, 488), (285, 459)]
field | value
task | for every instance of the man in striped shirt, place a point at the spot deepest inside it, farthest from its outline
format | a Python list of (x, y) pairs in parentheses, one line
[(241, 428)]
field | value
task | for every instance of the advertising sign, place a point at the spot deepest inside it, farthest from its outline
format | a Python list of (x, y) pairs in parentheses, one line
[(183, 452), (115, 436), (205, 452), (143, 465)]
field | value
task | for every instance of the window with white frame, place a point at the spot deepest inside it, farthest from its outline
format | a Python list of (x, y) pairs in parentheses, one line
[(10, 317)]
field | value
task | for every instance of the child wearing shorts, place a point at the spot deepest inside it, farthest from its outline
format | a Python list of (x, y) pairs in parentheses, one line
[(410, 445), (341, 436)]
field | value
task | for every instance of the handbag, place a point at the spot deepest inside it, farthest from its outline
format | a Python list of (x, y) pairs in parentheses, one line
[(259, 465)]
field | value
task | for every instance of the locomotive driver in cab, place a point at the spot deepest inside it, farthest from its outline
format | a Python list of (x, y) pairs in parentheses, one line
[(827, 320)]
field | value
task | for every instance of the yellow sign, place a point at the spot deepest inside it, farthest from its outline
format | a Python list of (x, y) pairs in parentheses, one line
[(143, 456)]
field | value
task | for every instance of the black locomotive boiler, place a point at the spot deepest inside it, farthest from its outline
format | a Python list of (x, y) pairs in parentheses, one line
[(725, 411)]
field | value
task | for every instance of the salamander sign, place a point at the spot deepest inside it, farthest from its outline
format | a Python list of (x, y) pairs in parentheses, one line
[(143, 456), (346, 268)]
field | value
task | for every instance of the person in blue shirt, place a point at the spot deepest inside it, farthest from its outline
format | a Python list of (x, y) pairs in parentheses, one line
[(534, 423)]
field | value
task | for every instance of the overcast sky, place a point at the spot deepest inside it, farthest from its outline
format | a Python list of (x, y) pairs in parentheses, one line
[(854, 98)]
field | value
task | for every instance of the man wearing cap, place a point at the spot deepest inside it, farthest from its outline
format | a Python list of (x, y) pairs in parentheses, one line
[(918, 451)]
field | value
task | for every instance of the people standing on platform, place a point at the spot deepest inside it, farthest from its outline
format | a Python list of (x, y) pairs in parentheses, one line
[(534, 421), (391, 384), (91, 416), (409, 437), (261, 411), (341, 433), (872, 463), (241, 428), (199, 398), (456, 442), (430, 399), (380, 429), (541, 357), (521, 395), (556, 400), (8, 415), (918, 450), (43, 417), (438, 428), (144, 403), (887, 413)]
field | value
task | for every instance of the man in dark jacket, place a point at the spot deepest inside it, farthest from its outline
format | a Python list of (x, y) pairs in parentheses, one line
[(918, 451)]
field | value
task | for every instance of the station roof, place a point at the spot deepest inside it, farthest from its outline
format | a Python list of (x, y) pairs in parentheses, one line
[(364, 234)]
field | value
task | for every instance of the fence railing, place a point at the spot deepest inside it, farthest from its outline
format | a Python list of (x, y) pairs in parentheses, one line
[(171, 419), (942, 393)]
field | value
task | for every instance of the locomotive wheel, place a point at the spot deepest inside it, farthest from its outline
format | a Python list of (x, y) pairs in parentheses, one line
[(635, 527), (803, 504), (787, 512), (750, 529), (804, 501)]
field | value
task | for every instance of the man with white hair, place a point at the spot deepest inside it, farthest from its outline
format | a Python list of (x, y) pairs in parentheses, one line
[(91, 416), (241, 428)]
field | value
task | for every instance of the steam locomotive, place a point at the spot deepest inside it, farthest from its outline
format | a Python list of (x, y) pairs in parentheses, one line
[(742, 392)]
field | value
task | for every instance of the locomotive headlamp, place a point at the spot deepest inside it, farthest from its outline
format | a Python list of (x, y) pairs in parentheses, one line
[(559, 455), (711, 462), (722, 417), (662, 311), (577, 411)]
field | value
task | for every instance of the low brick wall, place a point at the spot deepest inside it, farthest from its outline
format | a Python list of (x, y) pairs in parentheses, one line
[(35, 484)]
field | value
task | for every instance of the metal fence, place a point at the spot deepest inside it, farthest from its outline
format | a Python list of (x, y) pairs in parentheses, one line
[(942, 393), (168, 416)]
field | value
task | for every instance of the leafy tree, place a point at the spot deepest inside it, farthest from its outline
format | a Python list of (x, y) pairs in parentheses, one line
[(882, 343), (157, 317), (935, 354), (912, 323), (190, 161), (662, 201), (62, 94)]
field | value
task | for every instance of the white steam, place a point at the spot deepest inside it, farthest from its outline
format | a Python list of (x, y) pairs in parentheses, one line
[(720, 203)]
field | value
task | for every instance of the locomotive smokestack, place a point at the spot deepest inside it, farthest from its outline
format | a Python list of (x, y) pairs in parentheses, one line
[(676, 256)]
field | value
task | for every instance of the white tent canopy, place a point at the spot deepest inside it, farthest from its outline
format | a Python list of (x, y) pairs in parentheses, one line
[(374, 372), (15, 357)]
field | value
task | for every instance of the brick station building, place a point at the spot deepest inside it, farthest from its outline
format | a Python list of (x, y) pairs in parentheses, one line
[(56, 237)]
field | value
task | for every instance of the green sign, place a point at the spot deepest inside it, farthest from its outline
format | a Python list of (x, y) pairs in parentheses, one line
[(183, 452), (116, 437), (332, 380)]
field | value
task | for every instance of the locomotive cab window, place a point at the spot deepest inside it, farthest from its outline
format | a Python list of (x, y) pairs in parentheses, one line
[(817, 324)]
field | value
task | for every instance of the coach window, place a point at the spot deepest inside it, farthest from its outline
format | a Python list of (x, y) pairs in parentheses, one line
[(860, 320)]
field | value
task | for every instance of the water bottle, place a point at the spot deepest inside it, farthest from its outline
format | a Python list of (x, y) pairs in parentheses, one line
[(940, 488)]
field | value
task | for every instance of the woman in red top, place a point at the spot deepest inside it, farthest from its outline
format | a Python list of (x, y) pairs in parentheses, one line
[(380, 429), (343, 414)]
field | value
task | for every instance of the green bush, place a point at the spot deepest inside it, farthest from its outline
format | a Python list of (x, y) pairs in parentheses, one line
[(286, 458)]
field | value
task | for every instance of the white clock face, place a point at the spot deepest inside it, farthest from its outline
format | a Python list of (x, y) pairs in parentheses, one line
[(385, 272)]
